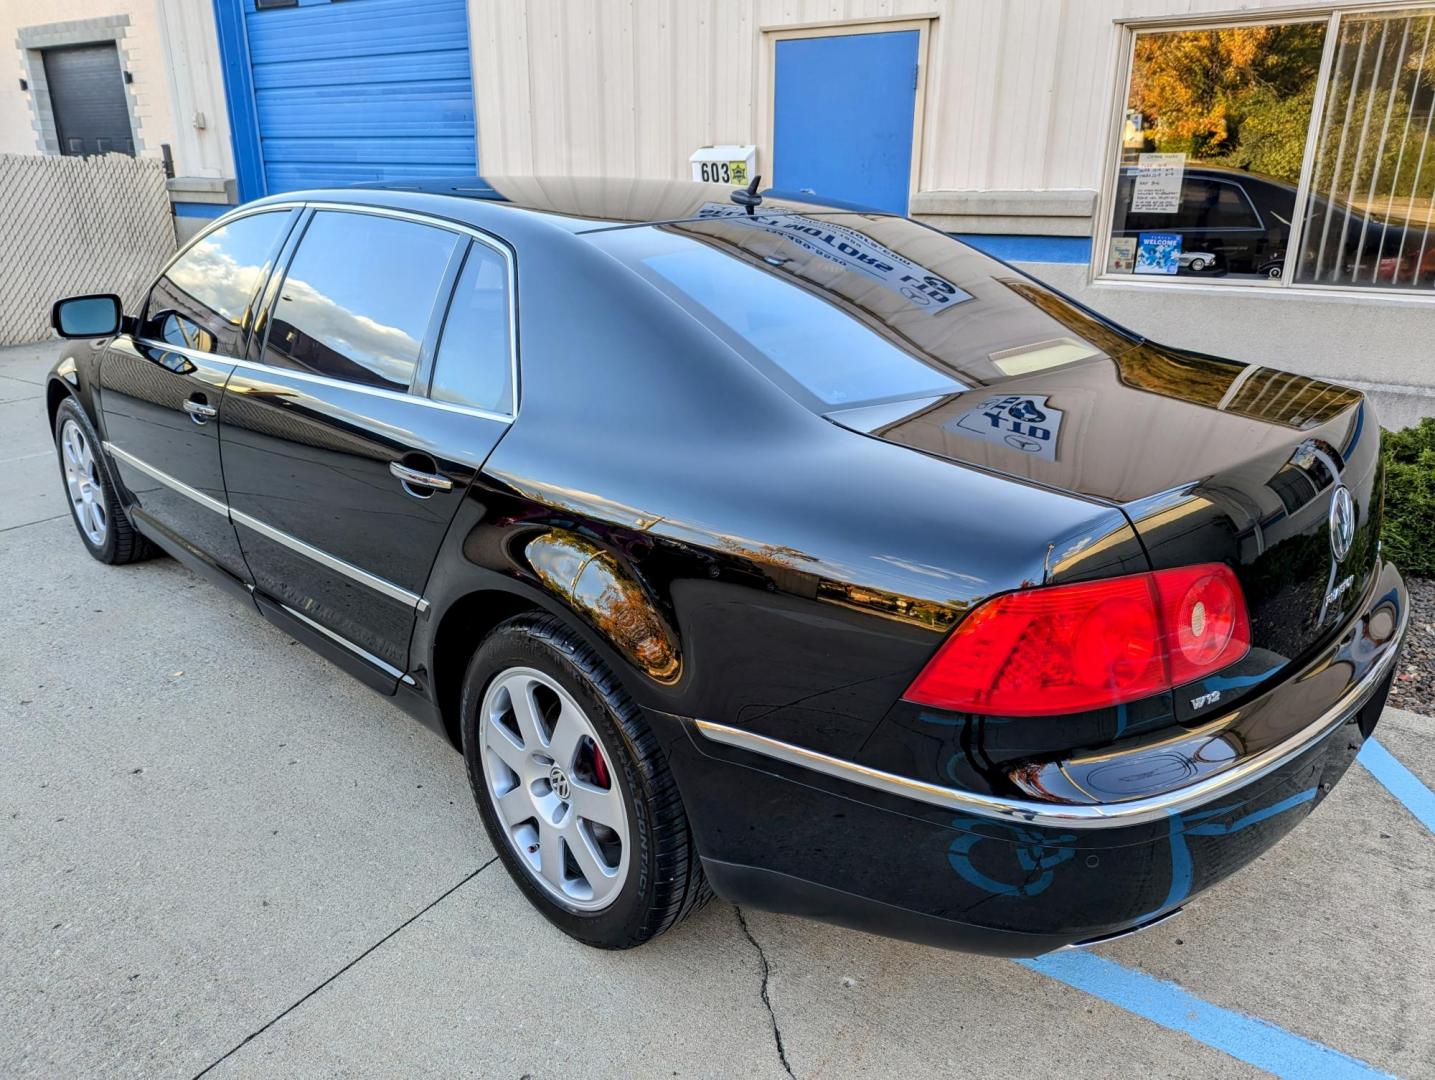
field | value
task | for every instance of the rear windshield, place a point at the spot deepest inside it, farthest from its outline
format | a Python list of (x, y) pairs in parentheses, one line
[(852, 311), (799, 339)]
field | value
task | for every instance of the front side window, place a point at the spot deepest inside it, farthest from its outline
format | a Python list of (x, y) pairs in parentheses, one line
[(1294, 152), (473, 365), (357, 299), (202, 300)]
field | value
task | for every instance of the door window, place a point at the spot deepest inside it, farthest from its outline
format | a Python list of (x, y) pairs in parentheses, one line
[(474, 362), (201, 301), (358, 298)]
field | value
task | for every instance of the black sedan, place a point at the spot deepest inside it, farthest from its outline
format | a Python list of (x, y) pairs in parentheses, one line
[(794, 552)]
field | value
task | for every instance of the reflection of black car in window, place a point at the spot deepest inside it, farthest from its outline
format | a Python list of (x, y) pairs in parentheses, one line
[(1240, 223)]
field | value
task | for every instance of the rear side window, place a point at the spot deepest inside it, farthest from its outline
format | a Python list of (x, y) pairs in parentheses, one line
[(358, 298), (201, 300), (474, 362), (1211, 205)]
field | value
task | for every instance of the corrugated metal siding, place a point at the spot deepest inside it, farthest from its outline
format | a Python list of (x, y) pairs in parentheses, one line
[(1016, 94), (362, 90)]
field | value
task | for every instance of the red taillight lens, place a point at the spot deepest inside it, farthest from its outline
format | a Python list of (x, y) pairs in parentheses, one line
[(1071, 648), (1206, 623)]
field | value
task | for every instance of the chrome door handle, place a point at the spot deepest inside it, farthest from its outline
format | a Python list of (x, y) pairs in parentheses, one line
[(414, 478), (199, 412)]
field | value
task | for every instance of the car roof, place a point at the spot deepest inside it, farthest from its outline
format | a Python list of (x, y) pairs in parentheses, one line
[(580, 204)]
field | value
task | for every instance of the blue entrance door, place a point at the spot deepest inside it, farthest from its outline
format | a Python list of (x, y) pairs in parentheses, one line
[(843, 117)]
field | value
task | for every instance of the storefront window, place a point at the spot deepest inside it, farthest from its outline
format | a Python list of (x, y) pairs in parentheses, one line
[(1245, 145)]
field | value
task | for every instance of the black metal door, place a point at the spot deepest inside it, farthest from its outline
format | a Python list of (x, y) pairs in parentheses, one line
[(87, 97)]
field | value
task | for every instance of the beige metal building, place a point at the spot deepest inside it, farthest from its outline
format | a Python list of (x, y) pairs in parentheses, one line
[(1249, 177), (1021, 116)]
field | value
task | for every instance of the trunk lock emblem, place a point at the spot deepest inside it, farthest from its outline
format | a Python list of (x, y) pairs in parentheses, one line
[(1342, 523)]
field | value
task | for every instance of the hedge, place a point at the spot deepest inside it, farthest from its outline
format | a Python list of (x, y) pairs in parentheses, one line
[(1409, 530)]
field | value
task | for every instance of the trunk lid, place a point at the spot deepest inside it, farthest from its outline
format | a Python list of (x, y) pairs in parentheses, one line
[(1212, 461)]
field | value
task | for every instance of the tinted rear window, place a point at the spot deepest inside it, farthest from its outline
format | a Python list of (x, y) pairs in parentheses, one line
[(848, 310), (799, 338)]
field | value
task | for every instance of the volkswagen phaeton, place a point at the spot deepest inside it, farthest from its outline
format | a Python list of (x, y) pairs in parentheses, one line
[(753, 545)]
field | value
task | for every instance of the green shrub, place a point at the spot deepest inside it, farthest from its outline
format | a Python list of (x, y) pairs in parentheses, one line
[(1409, 530)]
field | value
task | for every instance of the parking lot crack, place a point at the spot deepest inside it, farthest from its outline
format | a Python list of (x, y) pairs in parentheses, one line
[(403, 925), (766, 1001)]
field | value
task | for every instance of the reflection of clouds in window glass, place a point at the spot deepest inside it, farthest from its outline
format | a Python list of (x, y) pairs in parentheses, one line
[(222, 270), (389, 351), (362, 287)]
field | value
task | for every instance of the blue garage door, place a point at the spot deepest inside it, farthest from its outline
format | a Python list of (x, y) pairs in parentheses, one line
[(353, 90), (843, 117)]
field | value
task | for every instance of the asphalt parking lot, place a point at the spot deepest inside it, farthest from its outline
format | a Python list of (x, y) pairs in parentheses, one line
[(218, 853)]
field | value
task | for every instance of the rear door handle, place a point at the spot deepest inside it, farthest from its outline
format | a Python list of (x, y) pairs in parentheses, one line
[(199, 412), (415, 479)]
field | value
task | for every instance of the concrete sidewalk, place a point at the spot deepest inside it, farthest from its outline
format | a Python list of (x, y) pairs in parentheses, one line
[(217, 851)]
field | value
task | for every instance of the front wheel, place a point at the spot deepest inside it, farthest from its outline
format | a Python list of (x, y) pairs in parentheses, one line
[(573, 789), (89, 482)]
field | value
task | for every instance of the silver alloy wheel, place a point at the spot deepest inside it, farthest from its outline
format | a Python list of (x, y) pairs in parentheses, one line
[(82, 479), (537, 748)]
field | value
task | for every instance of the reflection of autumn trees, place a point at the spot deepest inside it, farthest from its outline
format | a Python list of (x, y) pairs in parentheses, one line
[(1240, 96), (783, 566), (595, 583), (1278, 397)]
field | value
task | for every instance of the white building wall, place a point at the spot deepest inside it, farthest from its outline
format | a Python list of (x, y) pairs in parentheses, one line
[(202, 146), (170, 49), (1016, 110), (1017, 94)]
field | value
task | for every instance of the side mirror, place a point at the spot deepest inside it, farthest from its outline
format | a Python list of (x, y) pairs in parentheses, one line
[(87, 316)]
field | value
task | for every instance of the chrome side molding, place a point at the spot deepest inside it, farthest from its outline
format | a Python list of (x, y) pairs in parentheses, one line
[(206, 501), (279, 536)]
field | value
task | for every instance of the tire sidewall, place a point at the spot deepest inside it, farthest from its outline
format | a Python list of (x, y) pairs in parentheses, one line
[(70, 410), (516, 645)]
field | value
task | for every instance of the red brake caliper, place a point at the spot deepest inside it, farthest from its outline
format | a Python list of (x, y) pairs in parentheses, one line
[(600, 767)]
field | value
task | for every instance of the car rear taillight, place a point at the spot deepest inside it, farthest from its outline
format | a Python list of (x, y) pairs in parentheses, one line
[(1072, 648)]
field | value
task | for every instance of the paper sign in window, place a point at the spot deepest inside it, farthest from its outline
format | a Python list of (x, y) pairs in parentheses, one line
[(1158, 183)]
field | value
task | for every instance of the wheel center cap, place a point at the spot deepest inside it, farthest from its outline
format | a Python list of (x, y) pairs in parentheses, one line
[(558, 780)]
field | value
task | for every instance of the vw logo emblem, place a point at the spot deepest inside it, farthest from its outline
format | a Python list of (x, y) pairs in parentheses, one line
[(558, 780), (1342, 523)]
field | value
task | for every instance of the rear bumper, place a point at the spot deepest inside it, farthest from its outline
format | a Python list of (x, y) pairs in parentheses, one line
[(783, 829)]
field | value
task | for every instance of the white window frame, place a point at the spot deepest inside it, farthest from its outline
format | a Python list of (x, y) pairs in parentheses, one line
[(1127, 31)]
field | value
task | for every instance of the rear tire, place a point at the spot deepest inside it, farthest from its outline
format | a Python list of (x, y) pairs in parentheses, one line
[(638, 877), (93, 493)]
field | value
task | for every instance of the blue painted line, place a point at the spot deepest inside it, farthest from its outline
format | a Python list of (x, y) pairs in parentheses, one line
[(1399, 781), (1256, 1042), (1048, 249), (200, 210)]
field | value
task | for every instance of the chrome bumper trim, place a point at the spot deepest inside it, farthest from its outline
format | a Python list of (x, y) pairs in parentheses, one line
[(1065, 815)]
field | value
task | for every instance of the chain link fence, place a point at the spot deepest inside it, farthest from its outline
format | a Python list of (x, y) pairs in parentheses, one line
[(72, 225)]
